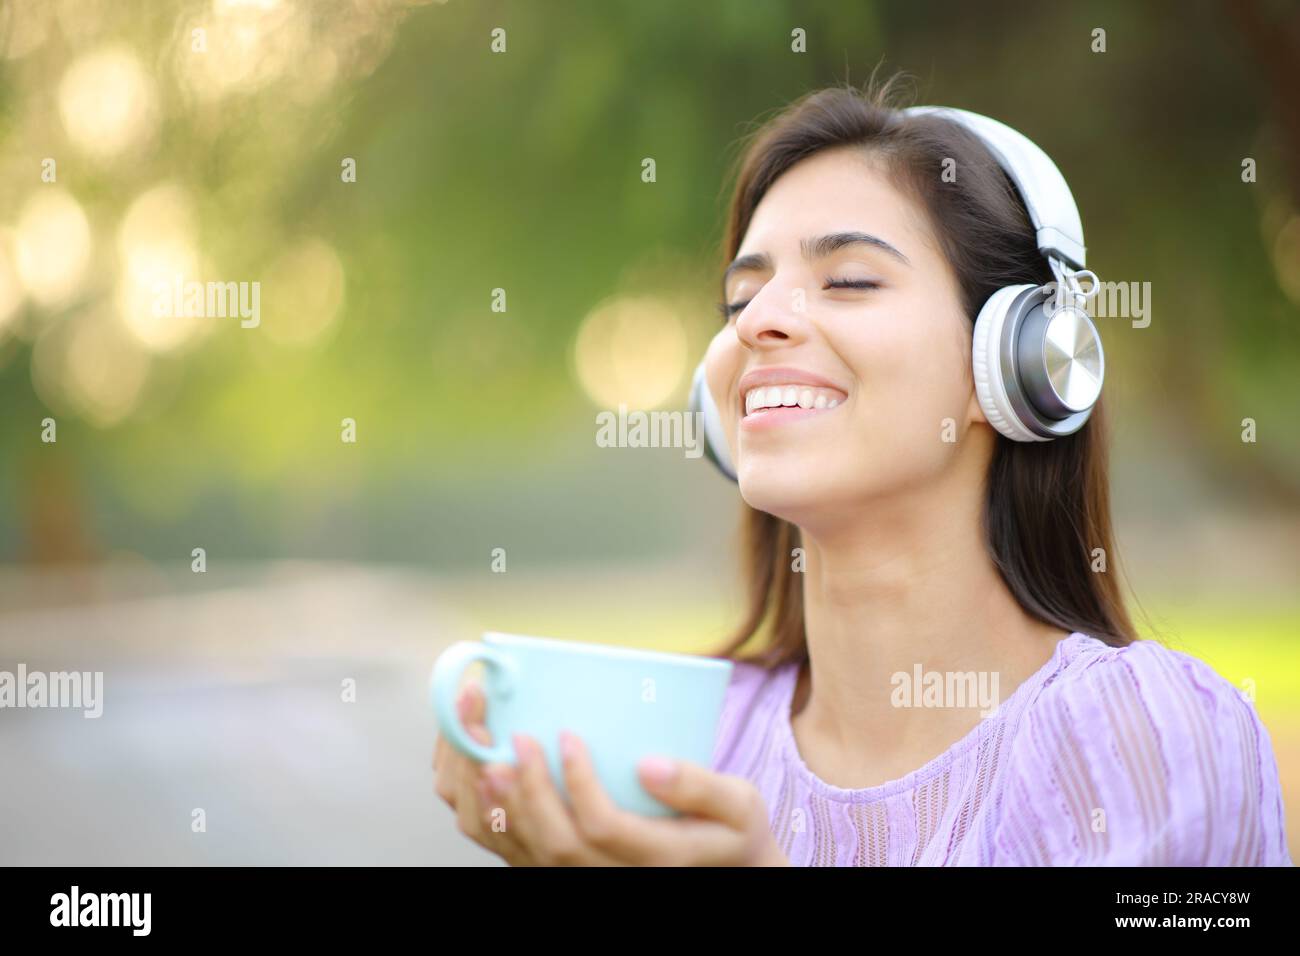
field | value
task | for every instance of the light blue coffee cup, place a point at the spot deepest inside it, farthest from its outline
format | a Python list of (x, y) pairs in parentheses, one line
[(625, 704)]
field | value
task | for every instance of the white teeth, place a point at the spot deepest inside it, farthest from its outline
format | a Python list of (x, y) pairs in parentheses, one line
[(758, 400)]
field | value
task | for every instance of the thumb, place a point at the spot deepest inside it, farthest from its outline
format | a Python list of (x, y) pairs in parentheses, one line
[(474, 713), (698, 791)]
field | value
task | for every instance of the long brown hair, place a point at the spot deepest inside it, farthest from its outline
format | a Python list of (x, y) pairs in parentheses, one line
[(1048, 503)]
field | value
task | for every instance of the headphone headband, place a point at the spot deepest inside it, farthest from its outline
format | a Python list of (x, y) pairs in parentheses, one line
[(1047, 197)]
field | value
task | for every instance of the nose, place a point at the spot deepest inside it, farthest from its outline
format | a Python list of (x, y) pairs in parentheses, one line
[(774, 317)]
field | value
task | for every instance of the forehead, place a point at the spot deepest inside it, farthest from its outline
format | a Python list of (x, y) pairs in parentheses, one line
[(839, 189)]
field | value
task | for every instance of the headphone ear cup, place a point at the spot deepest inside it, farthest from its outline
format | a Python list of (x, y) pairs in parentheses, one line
[(714, 437), (986, 365)]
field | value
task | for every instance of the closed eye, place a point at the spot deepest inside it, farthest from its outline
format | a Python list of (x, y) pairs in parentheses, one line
[(851, 284), (728, 309)]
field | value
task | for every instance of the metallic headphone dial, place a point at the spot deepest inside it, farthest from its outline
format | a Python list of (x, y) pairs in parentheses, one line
[(1061, 360), (1073, 360)]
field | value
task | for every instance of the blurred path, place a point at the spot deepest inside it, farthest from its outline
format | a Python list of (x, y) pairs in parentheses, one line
[(229, 699), (223, 692)]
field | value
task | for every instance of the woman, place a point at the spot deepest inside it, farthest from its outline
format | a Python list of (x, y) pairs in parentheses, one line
[(902, 549)]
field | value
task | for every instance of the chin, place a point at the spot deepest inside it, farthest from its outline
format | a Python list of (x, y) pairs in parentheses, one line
[(786, 496)]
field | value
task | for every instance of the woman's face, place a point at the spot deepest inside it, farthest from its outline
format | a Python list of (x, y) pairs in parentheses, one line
[(862, 341)]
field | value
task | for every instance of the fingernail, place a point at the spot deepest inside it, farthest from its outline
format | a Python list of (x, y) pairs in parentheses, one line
[(568, 746), (523, 749), (462, 704), (495, 780), (658, 771)]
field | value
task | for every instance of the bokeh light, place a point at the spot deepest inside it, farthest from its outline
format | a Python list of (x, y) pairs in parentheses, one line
[(157, 244), (90, 366), (108, 103), (11, 290), (631, 350), (241, 45), (1286, 258), (53, 246)]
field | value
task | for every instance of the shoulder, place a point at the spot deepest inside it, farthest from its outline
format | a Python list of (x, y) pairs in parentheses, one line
[(1149, 687), (749, 702), (1144, 755), (1167, 681)]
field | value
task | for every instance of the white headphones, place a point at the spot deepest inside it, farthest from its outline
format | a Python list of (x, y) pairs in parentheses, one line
[(1037, 357)]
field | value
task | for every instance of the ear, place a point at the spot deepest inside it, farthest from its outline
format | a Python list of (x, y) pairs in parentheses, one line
[(974, 410)]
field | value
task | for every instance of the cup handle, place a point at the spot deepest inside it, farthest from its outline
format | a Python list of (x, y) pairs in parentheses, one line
[(447, 672)]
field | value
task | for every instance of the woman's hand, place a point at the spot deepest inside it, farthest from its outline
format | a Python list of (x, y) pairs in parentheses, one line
[(517, 812), (725, 822), (460, 782)]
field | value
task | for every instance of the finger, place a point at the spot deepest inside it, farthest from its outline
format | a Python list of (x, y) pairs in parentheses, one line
[(442, 781), (501, 783), (498, 833), (542, 821), (475, 705), (443, 748), (723, 816), (469, 809), (468, 812), (700, 792), (639, 839), (439, 752), (599, 820), (444, 756)]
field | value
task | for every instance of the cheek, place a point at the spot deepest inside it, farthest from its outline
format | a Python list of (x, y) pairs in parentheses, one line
[(911, 378), (721, 368)]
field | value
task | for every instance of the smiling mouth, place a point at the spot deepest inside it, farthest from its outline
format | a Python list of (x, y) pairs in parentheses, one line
[(770, 399)]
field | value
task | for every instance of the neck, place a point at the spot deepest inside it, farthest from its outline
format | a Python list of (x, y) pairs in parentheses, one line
[(890, 586)]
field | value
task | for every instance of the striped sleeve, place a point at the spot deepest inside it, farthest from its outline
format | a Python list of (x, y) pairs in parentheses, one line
[(1141, 756)]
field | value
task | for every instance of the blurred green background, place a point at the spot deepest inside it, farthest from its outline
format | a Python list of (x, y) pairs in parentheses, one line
[(219, 154)]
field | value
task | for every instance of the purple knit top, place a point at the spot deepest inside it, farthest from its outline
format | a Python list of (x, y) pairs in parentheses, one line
[(1131, 756)]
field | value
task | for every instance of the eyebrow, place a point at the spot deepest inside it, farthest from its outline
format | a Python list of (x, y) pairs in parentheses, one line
[(813, 249)]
